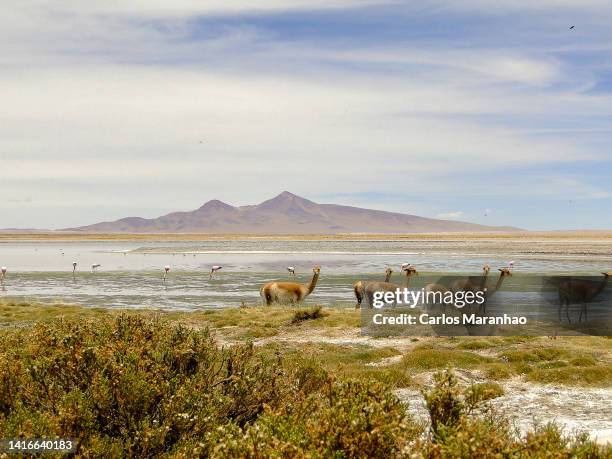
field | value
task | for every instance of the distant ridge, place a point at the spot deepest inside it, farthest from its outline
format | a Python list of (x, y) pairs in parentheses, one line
[(286, 213)]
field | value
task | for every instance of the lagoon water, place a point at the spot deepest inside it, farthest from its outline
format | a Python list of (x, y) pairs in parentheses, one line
[(131, 273)]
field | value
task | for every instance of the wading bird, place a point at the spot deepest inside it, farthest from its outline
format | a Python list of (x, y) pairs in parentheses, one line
[(214, 269), (291, 270), (3, 271), (74, 265), (166, 271), (95, 267)]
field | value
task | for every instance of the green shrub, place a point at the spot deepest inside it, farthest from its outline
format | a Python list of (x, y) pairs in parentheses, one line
[(356, 420), (481, 392), (134, 387), (464, 426), (128, 387), (302, 315), (428, 357)]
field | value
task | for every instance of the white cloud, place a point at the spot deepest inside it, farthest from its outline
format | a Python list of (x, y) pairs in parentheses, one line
[(102, 107)]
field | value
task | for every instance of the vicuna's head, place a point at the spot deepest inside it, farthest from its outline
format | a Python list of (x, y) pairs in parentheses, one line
[(410, 269), (505, 271), (485, 269), (316, 269), (608, 274), (388, 271)]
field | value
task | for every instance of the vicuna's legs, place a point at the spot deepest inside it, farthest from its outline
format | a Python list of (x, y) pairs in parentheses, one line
[(583, 308)]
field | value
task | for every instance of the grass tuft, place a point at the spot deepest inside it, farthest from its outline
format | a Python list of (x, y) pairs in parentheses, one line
[(302, 315)]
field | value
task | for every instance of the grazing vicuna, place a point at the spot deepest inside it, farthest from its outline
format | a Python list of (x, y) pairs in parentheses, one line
[(288, 292), (359, 287), (580, 291)]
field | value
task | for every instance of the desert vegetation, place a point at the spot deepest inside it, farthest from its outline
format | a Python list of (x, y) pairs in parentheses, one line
[(144, 384)]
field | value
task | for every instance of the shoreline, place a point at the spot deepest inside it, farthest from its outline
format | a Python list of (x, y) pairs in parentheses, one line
[(61, 236)]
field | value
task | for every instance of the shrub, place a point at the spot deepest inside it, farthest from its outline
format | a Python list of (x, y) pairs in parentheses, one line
[(130, 387), (134, 387), (427, 357), (302, 315), (347, 417), (463, 426)]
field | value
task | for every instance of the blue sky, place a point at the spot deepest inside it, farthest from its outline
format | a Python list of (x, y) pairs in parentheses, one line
[(496, 114)]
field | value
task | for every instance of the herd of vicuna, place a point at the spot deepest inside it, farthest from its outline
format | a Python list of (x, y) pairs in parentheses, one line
[(571, 291)]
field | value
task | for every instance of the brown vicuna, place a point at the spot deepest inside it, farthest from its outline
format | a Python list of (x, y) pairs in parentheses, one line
[(288, 292), (580, 291), (372, 287), (472, 283), (359, 287)]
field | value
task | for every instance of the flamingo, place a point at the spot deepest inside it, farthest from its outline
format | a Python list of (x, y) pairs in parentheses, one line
[(291, 270), (74, 265), (510, 264), (94, 267), (214, 269), (166, 270), (3, 271)]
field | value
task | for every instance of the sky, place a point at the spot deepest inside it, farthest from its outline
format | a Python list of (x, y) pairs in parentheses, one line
[(490, 112)]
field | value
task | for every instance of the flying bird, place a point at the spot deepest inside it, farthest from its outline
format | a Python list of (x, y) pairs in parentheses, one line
[(291, 270), (572, 27), (214, 269)]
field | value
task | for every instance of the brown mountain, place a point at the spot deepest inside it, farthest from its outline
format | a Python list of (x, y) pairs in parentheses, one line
[(285, 214)]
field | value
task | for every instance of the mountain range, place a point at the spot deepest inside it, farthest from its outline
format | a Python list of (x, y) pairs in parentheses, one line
[(285, 214)]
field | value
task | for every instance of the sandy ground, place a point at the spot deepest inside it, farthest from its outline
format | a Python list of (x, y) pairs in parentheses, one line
[(575, 409)]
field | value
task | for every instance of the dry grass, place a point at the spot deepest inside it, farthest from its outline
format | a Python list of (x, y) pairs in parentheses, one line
[(578, 361)]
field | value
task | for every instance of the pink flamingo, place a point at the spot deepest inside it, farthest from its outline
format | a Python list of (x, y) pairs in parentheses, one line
[(214, 269)]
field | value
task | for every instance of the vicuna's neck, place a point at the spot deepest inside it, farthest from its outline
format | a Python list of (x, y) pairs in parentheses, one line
[(602, 285), (408, 274), (388, 277), (483, 280), (313, 282), (499, 281)]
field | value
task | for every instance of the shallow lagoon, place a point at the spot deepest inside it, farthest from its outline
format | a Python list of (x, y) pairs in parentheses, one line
[(131, 273)]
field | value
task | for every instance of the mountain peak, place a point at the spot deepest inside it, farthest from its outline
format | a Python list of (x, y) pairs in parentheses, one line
[(215, 204), (286, 200), (287, 195)]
